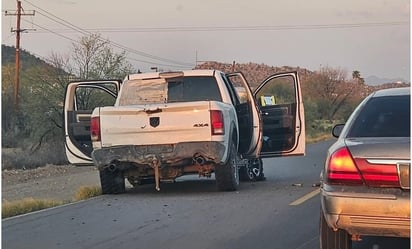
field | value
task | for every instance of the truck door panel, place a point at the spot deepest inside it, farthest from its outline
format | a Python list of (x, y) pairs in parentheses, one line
[(245, 126), (80, 100), (278, 123), (79, 129), (248, 116)]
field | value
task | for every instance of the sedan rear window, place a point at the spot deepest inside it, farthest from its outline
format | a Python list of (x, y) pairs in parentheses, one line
[(383, 117)]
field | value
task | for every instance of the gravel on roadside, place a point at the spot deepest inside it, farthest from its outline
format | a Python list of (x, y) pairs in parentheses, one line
[(56, 182)]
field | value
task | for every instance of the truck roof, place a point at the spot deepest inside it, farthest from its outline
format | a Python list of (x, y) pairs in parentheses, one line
[(153, 75)]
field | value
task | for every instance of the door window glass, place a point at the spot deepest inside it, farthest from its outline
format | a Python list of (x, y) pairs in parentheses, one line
[(238, 82), (88, 97), (277, 91)]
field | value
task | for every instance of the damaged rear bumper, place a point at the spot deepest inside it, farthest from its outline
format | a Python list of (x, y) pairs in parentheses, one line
[(166, 154)]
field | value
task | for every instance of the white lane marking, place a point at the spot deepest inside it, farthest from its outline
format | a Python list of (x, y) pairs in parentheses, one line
[(305, 197)]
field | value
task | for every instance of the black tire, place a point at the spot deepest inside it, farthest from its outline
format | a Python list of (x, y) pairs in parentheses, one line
[(253, 171), (330, 239), (112, 182), (227, 175), (243, 174)]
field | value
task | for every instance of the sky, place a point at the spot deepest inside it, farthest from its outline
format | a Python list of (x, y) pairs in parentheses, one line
[(370, 36)]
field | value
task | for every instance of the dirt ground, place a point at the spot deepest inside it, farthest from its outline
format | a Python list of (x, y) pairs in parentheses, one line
[(48, 182)]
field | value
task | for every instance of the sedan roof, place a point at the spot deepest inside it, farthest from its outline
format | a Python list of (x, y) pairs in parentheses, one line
[(393, 92)]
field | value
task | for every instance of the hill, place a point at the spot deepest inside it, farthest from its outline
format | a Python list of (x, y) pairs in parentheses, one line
[(254, 73), (27, 60)]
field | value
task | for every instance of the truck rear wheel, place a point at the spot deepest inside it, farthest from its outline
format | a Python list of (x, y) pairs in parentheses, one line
[(112, 181), (227, 175)]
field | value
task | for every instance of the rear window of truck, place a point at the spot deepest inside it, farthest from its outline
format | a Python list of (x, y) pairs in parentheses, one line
[(159, 90)]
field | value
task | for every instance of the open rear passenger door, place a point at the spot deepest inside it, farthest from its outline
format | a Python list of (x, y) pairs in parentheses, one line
[(80, 99), (279, 128)]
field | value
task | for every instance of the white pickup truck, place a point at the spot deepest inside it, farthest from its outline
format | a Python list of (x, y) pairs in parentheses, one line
[(159, 126)]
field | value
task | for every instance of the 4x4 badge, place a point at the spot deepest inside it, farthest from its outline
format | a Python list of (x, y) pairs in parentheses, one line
[(154, 121)]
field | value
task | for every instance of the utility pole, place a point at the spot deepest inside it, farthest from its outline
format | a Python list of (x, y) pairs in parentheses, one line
[(18, 30)]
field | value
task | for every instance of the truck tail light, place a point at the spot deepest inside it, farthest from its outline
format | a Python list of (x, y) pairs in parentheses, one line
[(341, 169), (95, 129), (218, 125)]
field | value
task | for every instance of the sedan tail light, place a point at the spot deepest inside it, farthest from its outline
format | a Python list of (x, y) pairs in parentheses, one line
[(377, 173), (342, 169)]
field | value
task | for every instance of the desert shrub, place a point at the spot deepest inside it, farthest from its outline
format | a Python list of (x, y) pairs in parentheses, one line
[(29, 158), (86, 192)]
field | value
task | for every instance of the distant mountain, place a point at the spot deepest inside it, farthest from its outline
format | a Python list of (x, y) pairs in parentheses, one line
[(375, 81)]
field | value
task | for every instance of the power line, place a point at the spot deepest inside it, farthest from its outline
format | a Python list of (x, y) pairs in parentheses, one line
[(241, 28), (128, 57), (159, 64), (83, 31), (6, 39), (53, 32)]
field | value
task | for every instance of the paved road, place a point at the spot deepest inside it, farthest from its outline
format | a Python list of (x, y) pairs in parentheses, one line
[(192, 214)]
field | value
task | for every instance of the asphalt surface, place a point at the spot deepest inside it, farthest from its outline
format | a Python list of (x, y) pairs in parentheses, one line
[(279, 213)]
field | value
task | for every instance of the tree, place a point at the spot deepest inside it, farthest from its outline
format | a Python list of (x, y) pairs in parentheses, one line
[(7, 106), (330, 89), (93, 58), (44, 88), (42, 103), (357, 76)]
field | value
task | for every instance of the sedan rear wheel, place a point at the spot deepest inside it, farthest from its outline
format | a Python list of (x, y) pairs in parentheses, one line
[(330, 239)]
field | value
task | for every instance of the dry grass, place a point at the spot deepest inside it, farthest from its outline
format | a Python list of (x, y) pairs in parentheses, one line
[(28, 205), (86, 192), (13, 208)]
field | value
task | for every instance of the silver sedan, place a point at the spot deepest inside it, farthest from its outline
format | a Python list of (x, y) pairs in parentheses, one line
[(365, 184)]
